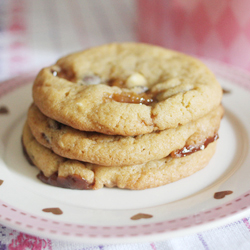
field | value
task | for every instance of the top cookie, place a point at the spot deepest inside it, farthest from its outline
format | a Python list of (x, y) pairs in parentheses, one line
[(126, 89)]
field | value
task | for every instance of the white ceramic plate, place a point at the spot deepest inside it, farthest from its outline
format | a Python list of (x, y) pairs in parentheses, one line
[(104, 216)]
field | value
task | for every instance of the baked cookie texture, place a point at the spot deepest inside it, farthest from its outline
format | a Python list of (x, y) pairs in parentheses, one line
[(137, 177), (96, 90), (126, 115), (110, 150)]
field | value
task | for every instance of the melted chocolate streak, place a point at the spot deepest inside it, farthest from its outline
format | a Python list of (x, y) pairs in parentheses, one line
[(71, 181)]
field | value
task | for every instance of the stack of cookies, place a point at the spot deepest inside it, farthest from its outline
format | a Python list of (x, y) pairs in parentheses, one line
[(126, 115)]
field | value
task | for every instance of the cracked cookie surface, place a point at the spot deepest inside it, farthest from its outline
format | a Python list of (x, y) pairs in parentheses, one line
[(62, 172), (112, 150), (126, 89)]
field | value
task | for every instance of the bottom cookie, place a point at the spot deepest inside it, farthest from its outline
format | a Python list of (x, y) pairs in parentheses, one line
[(62, 172)]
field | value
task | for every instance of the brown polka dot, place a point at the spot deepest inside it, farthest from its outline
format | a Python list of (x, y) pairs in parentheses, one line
[(1, 182), (222, 194), (226, 91), (53, 210), (4, 110), (141, 216)]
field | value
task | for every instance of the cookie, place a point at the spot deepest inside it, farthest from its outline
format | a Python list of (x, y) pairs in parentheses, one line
[(126, 89), (62, 172), (110, 150)]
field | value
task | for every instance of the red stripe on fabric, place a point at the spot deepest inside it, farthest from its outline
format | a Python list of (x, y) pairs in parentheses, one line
[(246, 223), (17, 30), (153, 246)]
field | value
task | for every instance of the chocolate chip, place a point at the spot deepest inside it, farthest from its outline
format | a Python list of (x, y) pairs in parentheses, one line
[(45, 137), (54, 124)]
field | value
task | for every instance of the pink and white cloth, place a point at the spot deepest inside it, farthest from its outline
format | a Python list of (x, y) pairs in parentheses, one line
[(34, 34), (214, 29)]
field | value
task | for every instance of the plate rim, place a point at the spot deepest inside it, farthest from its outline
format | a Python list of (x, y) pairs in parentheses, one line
[(111, 234)]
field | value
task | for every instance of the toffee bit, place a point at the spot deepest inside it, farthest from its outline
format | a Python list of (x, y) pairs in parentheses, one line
[(132, 97), (116, 83), (189, 149), (62, 73)]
